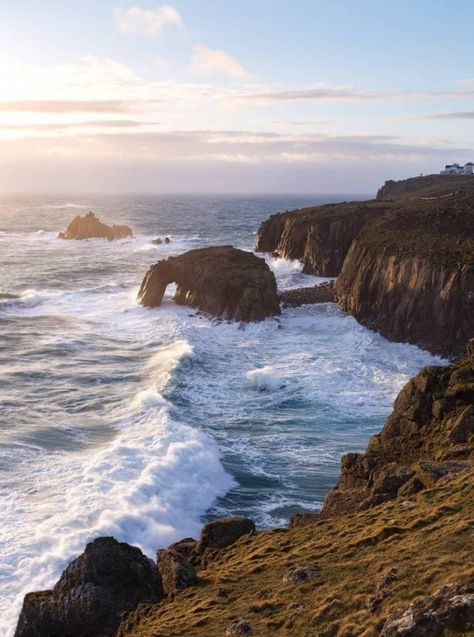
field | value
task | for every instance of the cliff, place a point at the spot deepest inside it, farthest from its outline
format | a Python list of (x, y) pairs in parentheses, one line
[(428, 436), (222, 281), (427, 186), (90, 227), (320, 236), (405, 268), (410, 276), (401, 567)]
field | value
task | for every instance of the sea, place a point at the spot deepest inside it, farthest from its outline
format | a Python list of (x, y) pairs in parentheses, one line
[(144, 423)]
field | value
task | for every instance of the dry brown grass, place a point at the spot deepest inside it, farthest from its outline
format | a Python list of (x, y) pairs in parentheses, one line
[(430, 544)]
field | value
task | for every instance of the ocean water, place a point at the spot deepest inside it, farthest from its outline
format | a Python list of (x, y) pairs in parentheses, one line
[(139, 423)]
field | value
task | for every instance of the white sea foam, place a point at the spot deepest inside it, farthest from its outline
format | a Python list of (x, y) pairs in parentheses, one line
[(276, 402), (289, 274), (148, 486), (60, 206), (265, 378)]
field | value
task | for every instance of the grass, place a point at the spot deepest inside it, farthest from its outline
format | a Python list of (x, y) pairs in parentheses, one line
[(430, 544)]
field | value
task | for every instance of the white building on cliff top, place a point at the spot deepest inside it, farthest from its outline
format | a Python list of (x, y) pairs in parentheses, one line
[(456, 169)]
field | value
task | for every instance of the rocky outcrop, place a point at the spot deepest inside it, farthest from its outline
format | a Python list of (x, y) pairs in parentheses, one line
[(222, 281), (217, 534), (175, 571), (429, 436), (319, 237), (323, 293), (90, 227), (109, 578), (425, 186), (411, 276), (449, 609)]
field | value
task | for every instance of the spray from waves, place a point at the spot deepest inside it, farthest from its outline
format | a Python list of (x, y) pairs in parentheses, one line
[(265, 379), (64, 205), (289, 274), (149, 486)]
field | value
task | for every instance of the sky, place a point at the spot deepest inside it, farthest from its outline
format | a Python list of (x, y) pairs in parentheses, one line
[(232, 96)]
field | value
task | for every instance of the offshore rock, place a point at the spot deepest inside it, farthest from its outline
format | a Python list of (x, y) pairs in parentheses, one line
[(109, 578), (323, 293), (223, 281), (90, 227)]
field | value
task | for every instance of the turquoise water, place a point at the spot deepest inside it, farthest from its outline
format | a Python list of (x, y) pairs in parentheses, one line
[(115, 419)]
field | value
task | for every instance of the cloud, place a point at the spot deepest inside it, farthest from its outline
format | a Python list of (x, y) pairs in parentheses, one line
[(453, 115), (146, 21), (350, 94), (71, 106), (206, 60), (212, 161), (94, 124)]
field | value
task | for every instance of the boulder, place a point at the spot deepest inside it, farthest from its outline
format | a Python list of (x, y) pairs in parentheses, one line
[(462, 425), (430, 472), (175, 571), (109, 578), (218, 534), (450, 609), (90, 227), (298, 573), (184, 547), (223, 281), (239, 628)]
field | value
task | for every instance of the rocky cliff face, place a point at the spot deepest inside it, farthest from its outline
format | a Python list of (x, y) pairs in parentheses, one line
[(411, 275), (222, 281), (320, 237), (429, 436), (427, 186), (90, 227)]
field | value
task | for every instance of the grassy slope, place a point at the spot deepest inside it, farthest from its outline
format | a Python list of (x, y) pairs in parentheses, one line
[(431, 544)]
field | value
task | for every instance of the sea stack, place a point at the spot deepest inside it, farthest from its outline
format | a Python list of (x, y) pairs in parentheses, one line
[(222, 281), (90, 227)]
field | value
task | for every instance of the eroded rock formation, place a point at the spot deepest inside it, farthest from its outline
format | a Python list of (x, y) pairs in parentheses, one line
[(405, 268), (319, 237), (222, 281), (90, 227), (411, 276), (323, 293)]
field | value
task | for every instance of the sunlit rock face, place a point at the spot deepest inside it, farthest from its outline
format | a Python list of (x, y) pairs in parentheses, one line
[(90, 227), (222, 281)]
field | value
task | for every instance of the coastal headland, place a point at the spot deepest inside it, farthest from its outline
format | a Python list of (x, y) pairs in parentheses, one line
[(389, 554)]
